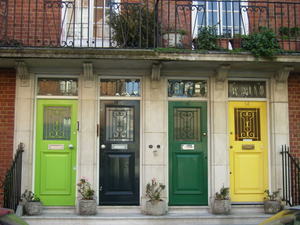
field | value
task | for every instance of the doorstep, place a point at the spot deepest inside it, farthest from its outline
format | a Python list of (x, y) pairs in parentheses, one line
[(130, 215)]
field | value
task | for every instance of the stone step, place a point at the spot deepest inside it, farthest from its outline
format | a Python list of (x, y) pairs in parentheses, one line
[(120, 215)]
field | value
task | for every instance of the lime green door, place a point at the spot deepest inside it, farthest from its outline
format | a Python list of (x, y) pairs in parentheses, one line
[(188, 153), (56, 145)]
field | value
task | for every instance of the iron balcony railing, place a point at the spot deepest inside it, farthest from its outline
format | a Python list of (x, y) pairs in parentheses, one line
[(290, 177), (142, 23), (12, 181)]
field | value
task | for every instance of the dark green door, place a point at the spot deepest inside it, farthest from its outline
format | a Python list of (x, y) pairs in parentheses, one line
[(119, 152), (188, 153)]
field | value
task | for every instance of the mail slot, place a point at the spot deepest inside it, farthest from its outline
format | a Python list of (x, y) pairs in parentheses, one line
[(248, 147), (187, 147)]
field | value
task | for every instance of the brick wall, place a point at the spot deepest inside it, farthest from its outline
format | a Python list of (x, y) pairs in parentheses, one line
[(7, 111), (294, 112)]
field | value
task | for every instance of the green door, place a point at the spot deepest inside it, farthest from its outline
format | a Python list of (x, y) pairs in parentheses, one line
[(188, 153), (56, 145)]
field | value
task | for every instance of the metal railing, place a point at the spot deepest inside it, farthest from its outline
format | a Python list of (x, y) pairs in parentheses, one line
[(12, 181), (141, 23), (290, 176)]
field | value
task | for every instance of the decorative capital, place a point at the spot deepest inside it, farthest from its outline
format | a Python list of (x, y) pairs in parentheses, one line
[(88, 73), (22, 73), (222, 72), (155, 73), (282, 75)]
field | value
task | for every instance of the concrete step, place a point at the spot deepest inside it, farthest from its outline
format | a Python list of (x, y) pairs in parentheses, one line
[(120, 215)]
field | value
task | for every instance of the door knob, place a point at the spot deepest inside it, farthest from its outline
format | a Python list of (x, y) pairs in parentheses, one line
[(71, 146), (103, 146), (204, 134)]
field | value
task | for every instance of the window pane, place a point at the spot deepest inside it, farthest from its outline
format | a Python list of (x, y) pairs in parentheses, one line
[(227, 20), (247, 89), (247, 124), (212, 6), (187, 88), (212, 18), (226, 6), (57, 86), (57, 123), (120, 87), (187, 124), (119, 124)]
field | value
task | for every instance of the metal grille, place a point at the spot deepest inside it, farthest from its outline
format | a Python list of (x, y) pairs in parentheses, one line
[(119, 124), (187, 124), (57, 123), (247, 124)]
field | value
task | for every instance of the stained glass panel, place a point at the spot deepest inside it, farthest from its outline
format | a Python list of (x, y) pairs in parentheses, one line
[(187, 124), (119, 124), (120, 87), (247, 89), (187, 88), (57, 87), (57, 123), (247, 124)]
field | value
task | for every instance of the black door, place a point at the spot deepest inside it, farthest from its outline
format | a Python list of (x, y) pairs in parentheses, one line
[(119, 152)]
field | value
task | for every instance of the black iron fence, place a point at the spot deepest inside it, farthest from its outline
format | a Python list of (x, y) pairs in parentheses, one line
[(143, 23), (12, 181), (291, 177)]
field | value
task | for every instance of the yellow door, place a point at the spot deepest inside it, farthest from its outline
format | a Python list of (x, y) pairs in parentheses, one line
[(248, 151)]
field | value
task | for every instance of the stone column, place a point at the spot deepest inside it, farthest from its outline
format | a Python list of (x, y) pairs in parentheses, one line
[(279, 124), (154, 120), (219, 154), (87, 153), (24, 117)]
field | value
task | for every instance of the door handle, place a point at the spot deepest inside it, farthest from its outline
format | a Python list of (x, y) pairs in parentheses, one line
[(71, 146), (102, 146)]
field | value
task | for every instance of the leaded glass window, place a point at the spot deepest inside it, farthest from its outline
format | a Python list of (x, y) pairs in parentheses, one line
[(247, 124), (119, 124), (57, 123), (187, 124), (120, 87), (247, 89), (187, 88), (57, 86)]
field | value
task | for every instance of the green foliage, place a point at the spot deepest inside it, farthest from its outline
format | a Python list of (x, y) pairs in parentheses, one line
[(206, 39), (29, 196), (153, 190), (223, 195), (272, 196), (134, 26), (84, 188), (262, 44), (289, 32)]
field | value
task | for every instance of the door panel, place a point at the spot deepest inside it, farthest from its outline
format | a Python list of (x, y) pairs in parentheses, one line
[(248, 151), (119, 153), (56, 143), (188, 153)]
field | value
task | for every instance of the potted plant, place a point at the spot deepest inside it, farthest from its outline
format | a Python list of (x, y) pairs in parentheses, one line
[(87, 203), (207, 39), (221, 203), (272, 202), (155, 205), (173, 37), (33, 205)]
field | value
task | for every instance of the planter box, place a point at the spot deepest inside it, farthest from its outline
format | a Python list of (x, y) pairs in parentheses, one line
[(272, 207), (33, 208), (155, 208), (87, 207), (221, 206), (223, 43), (236, 43)]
